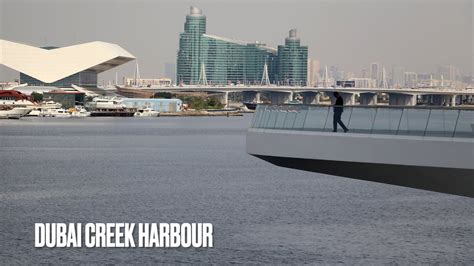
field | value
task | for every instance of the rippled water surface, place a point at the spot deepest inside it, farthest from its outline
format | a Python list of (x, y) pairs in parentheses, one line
[(196, 170)]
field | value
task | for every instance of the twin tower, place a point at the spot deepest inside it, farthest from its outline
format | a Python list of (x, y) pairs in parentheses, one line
[(209, 59)]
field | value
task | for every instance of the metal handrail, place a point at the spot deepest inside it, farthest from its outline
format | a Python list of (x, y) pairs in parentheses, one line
[(434, 107), (266, 113)]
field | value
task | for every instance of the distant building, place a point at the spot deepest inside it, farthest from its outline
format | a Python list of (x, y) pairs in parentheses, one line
[(364, 82), (398, 77), (292, 59), (375, 71), (161, 105), (62, 67), (67, 99), (208, 59), (147, 82), (411, 79), (313, 72)]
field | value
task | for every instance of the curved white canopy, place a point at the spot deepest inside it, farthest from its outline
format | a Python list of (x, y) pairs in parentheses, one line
[(52, 65)]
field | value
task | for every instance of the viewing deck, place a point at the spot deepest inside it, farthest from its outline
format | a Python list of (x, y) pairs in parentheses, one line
[(387, 120), (429, 148)]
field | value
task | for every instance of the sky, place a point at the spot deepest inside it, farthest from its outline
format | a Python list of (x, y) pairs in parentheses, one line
[(420, 35)]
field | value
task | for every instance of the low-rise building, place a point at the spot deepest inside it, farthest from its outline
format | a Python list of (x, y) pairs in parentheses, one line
[(67, 99), (161, 105)]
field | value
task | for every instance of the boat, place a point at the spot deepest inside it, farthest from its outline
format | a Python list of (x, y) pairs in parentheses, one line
[(106, 106), (428, 148), (61, 112), (14, 112), (109, 103), (44, 109), (80, 111), (250, 105), (146, 112)]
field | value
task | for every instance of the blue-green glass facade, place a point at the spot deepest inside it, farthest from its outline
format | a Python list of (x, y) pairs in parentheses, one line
[(189, 54), (225, 60), (230, 61), (292, 63)]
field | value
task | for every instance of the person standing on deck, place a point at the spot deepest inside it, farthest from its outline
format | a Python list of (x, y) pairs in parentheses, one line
[(338, 109)]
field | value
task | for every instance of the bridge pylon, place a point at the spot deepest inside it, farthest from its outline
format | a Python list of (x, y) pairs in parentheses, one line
[(265, 79), (202, 76)]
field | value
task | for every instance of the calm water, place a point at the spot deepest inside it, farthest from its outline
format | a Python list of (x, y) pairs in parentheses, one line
[(196, 170)]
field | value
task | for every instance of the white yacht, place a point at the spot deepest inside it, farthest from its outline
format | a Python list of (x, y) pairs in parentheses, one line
[(44, 108), (109, 106), (14, 113), (61, 112), (106, 103), (147, 112)]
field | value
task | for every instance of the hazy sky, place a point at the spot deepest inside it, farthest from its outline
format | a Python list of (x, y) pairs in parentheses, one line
[(418, 34)]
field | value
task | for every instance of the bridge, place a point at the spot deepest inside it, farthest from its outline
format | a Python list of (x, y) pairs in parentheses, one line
[(311, 95)]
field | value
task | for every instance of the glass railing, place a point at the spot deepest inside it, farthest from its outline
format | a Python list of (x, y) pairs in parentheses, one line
[(390, 120)]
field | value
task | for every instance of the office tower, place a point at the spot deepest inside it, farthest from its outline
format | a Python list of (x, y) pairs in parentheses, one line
[(313, 72), (222, 60), (292, 60), (374, 71)]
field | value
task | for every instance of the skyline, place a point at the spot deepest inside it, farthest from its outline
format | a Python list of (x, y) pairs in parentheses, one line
[(140, 28)]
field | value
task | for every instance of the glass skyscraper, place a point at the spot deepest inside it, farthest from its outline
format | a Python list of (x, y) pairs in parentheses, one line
[(292, 66), (227, 61)]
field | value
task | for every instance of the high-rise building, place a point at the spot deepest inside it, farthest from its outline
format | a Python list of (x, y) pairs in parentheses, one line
[(220, 60), (374, 71), (190, 46), (398, 77), (208, 59), (313, 72), (292, 59)]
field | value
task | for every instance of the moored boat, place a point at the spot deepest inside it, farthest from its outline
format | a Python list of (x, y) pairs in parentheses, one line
[(103, 106), (146, 112), (14, 113)]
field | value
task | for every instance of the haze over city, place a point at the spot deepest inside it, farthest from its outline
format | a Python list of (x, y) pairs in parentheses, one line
[(418, 35)]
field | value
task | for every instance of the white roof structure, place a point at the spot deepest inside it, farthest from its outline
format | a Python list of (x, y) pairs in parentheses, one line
[(49, 66)]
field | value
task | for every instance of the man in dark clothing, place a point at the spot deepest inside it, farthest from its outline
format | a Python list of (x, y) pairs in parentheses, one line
[(338, 109)]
